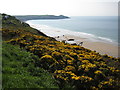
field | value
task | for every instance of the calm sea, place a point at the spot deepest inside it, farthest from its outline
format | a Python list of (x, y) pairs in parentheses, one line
[(104, 28)]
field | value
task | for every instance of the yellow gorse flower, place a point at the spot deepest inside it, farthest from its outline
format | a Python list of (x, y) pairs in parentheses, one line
[(98, 72), (70, 61), (47, 57), (70, 68), (76, 77), (106, 83), (85, 61)]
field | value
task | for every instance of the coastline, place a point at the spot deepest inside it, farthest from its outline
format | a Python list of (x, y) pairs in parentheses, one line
[(98, 46)]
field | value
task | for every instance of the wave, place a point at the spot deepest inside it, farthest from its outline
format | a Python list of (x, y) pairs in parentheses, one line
[(53, 32), (106, 39)]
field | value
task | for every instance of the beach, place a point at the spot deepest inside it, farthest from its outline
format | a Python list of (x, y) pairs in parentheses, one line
[(100, 46)]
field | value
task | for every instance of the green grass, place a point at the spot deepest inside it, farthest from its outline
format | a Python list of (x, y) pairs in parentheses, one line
[(19, 70)]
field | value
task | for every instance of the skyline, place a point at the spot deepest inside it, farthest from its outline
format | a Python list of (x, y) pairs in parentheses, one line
[(60, 7)]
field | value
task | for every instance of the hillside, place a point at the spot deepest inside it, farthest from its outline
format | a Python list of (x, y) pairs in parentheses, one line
[(33, 17), (40, 58), (11, 23)]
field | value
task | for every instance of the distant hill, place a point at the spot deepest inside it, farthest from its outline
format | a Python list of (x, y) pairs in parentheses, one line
[(31, 17)]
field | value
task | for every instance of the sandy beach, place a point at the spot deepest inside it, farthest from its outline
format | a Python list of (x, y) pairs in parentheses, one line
[(100, 47)]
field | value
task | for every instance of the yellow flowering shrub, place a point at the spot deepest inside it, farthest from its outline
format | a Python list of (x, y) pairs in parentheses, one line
[(70, 62), (68, 75), (106, 84), (114, 70), (98, 72), (37, 41), (74, 55), (85, 61), (77, 47), (86, 78), (73, 64), (70, 68), (87, 67), (57, 55), (47, 59), (82, 78), (67, 57), (76, 77), (81, 55), (60, 71)]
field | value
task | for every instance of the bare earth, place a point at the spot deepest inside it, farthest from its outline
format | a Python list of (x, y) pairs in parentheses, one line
[(101, 47)]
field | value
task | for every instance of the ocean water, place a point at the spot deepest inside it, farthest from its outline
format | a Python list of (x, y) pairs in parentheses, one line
[(95, 28)]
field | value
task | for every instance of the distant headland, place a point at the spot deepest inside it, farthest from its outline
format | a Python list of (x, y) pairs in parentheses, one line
[(33, 17)]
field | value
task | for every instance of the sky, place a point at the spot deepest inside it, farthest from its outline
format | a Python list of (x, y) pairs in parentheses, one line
[(60, 7)]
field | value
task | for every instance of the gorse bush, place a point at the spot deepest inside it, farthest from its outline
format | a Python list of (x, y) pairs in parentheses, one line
[(73, 64)]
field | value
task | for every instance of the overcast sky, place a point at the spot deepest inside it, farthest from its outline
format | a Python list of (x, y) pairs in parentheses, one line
[(60, 7)]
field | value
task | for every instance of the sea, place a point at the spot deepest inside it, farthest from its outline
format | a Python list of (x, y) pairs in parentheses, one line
[(95, 28)]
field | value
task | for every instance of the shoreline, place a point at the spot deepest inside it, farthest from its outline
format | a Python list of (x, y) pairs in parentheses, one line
[(98, 46)]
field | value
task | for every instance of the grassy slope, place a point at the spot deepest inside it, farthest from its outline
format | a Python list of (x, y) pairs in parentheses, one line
[(19, 70), (18, 65), (73, 66)]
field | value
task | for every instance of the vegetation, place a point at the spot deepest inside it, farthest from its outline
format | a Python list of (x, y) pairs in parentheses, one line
[(11, 23), (71, 66), (19, 70)]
